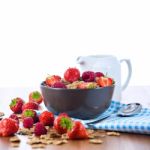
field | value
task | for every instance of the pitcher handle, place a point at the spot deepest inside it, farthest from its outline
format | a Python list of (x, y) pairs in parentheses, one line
[(124, 86)]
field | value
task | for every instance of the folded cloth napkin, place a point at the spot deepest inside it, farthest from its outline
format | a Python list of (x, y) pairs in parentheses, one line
[(139, 123)]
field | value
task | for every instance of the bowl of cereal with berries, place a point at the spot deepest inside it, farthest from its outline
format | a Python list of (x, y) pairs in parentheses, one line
[(82, 96)]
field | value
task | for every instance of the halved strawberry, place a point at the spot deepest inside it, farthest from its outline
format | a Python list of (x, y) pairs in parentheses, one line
[(63, 123), (104, 81), (16, 105), (78, 131), (35, 96), (50, 80)]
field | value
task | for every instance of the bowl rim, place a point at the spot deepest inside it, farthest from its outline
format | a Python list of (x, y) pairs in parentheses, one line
[(63, 89)]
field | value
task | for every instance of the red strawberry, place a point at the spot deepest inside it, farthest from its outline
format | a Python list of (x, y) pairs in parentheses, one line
[(16, 105), (47, 118), (50, 80), (104, 81), (87, 85), (35, 97), (30, 105), (72, 74), (29, 113), (8, 127), (78, 131), (63, 114), (62, 123)]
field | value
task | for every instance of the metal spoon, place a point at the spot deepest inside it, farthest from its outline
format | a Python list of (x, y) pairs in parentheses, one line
[(125, 111), (130, 110)]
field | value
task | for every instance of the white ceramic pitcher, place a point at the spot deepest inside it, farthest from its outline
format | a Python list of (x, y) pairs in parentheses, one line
[(109, 65)]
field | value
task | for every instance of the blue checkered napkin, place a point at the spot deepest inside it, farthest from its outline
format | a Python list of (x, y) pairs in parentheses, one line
[(139, 123)]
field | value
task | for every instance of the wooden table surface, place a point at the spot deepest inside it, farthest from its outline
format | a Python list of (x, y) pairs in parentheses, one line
[(124, 142)]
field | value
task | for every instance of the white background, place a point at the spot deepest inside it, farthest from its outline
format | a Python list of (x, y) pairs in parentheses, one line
[(45, 37)]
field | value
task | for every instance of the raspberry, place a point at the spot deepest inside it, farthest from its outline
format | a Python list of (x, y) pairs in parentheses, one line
[(28, 122), (98, 74), (88, 76), (39, 129), (59, 85), (15, 117)]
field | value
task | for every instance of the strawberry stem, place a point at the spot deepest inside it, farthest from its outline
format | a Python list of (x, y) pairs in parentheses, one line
[(13, 102), (66, 123), (36, 95), (28, 113)]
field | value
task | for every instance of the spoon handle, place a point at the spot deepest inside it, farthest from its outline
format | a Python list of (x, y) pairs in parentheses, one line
[(127, 111), (99, 119)]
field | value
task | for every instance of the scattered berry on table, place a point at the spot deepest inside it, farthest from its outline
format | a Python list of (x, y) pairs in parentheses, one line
[(16, 105), (8, 127), (30, 105), (28, 122), (78, 131), (63, 123), (39, 129), (46, 118), (35, 96), (29, 113)]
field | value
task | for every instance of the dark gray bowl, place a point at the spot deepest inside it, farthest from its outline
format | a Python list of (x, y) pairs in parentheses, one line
[(77, 103)]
